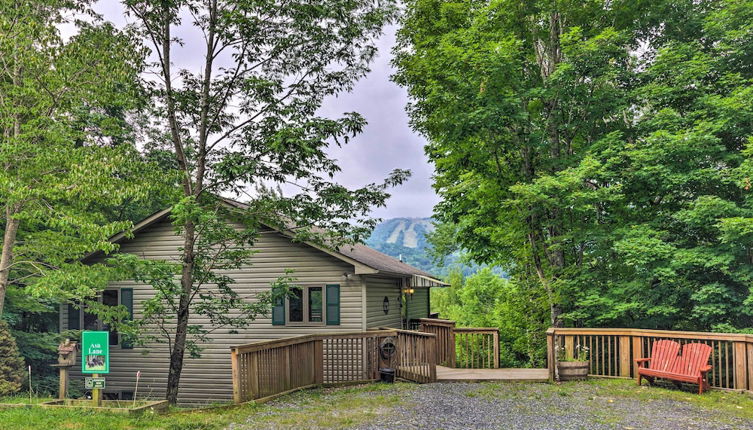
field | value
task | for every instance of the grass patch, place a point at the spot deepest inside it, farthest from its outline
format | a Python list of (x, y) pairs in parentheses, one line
[(722, 402), (24, 400), (331, 408)]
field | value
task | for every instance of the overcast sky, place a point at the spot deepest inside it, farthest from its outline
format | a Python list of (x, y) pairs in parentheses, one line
[(387, 142)]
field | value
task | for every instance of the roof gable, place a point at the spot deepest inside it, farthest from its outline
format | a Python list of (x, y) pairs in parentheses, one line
[(364, 259)]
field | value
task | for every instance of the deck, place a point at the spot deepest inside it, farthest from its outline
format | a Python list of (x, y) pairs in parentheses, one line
[(447, 374)]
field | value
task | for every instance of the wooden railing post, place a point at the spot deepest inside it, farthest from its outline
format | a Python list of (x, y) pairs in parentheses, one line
[(495, 338), (740, 360), (235, 376), (637, 353), (625, 356), (749, 361), (551, 357), (451, 351), (570, 347)]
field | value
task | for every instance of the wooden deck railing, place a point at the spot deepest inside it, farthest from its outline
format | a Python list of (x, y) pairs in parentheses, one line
[(613, 352), (416, 356), (268, 368), (444, 330), (463, 347), (477, 348)]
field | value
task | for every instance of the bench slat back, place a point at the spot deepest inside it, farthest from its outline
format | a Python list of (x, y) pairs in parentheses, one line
[(694, 357), (664, 355)]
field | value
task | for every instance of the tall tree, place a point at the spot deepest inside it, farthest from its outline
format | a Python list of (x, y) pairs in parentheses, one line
[(59, 151), (246, 119), (595, 148)]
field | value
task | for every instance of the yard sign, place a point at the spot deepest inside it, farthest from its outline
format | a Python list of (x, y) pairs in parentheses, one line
[(95, 352)]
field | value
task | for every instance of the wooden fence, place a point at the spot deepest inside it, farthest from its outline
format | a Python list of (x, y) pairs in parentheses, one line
[(613, 352), (463, 347), (269, 368)]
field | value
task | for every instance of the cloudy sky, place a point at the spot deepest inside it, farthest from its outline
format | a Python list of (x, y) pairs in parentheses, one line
[(387, 142)]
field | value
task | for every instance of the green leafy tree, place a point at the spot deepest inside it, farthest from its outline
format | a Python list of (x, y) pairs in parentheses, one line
[(596, 150), (485, 299), (246, 119), (11, 364), (62, 126)]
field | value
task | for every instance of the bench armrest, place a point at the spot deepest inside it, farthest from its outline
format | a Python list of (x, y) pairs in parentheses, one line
[(640, 361), (705, 369)]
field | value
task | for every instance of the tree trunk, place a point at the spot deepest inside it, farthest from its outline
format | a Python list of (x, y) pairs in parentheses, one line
[(6, 257), (181, 329)]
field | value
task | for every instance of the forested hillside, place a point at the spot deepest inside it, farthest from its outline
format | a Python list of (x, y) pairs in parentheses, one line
[(406, 239)]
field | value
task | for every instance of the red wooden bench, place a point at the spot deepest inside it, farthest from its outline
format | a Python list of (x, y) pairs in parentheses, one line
[(692, 366)]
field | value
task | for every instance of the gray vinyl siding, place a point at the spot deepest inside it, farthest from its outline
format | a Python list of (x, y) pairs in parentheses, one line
[(376, 290), (208, 379), (418, 304)]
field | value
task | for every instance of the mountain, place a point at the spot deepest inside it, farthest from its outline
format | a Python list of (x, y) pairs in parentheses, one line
[(405, 239)]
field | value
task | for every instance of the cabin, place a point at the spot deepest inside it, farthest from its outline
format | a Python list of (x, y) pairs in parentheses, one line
[(353, 288)]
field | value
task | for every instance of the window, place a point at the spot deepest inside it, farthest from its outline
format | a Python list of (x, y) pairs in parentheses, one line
[(315, 305), (78, 320), (305, 305), (308, 305)]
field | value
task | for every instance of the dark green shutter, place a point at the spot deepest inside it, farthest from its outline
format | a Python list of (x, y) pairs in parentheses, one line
[(278, 310), (333, 304), (74, 321), (126, 299)]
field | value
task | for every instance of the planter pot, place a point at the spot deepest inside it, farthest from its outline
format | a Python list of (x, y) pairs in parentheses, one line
[(573, 370)]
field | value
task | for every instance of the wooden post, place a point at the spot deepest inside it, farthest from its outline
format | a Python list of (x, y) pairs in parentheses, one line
[(496, 349), (740, 361), (550, 354), (452, 353), (96, 393), (236, 376), (63, 390), (637, 353), (749, 363), (570, 347), (625, 356)]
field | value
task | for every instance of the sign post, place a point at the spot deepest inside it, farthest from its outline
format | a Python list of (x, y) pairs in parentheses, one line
[(95, 359)]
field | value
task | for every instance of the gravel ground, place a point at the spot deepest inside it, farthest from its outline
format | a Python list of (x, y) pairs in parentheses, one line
[(600, 405), (537, 406)]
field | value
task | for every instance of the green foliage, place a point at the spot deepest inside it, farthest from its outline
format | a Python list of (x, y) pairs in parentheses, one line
[(246, 123), (11, 364), (600, 152), (487, 300), (65, 146)]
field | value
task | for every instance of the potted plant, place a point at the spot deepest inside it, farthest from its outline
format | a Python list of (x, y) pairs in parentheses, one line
[(575, 366)]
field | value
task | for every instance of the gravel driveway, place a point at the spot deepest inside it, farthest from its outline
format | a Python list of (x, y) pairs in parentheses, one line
[(591, 405)]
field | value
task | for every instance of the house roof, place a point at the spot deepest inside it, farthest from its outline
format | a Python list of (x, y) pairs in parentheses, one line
[(366, 260)]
